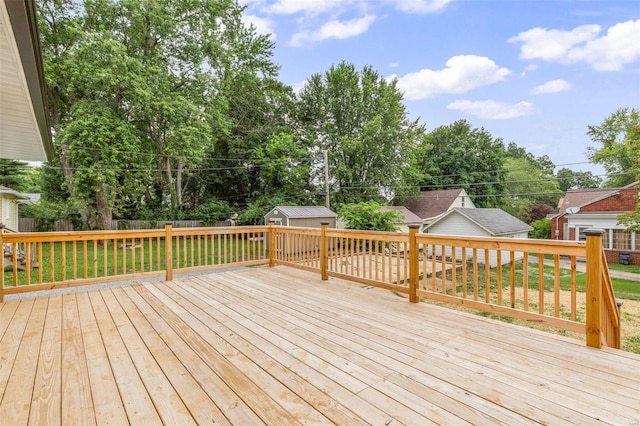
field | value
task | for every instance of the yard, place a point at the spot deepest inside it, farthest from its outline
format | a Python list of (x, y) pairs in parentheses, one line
[(56, 262), (626, 290)]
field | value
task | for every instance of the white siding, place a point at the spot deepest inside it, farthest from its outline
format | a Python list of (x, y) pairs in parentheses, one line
[(456, 224), (601, 221), (9, 214), (462, 201)]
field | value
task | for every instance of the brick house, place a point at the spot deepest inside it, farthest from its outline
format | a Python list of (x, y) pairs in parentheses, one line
[(582, 209)]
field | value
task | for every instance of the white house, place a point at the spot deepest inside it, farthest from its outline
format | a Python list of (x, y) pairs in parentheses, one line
[(430, 205), (495, 223), (9, 200)]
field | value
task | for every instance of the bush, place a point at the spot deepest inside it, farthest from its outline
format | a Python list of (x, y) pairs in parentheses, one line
[(212, 212), (541, 229), (367, 216)]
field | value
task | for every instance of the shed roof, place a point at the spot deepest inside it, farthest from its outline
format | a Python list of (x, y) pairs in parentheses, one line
[(495, 221), (294, 212), (430, 204)]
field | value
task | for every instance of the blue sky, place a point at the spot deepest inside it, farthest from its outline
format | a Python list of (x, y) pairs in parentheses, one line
[(533, 72)]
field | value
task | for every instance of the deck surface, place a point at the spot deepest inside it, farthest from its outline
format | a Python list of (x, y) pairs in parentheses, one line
[(278, 346)]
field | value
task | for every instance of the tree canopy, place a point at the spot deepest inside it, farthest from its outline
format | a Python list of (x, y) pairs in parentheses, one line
[(617, 146), (359, 119), (459, 156), (163, 110)]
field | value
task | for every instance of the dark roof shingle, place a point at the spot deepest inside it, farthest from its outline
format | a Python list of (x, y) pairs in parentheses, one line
[(430, 204), (495, 221)]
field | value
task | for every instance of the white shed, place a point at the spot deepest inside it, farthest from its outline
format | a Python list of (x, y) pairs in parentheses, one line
[(479, 223)]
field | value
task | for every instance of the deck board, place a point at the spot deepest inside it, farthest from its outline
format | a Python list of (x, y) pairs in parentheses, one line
[(280, 346)]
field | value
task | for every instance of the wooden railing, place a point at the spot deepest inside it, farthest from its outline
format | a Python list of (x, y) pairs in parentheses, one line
[(40, 261), (533, 280)]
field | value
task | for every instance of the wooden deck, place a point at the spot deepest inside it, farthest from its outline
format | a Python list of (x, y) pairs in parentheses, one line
[(279, 346)]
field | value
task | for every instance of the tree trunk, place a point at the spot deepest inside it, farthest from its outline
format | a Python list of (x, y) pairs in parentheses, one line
[(67, 172), (179, 182), (167, 166), (104, 209)]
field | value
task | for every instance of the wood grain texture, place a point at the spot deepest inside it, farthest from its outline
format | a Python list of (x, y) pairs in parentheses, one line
[(281, 346)]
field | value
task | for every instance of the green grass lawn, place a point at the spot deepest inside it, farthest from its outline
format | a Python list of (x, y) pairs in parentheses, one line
[(635, 269), (623, 289), (106, 260)]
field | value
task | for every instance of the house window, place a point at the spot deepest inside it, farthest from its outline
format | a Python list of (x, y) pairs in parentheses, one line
[(621, 240), (462, 201), (581, 235)]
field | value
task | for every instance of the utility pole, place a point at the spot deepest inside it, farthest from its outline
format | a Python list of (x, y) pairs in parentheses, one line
[(326, 180)]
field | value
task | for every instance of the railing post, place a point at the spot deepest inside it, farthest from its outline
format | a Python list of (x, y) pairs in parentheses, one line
[(594, 286), (324, 256), (2, 277), (413, 264), (168, 252), (272, 244)]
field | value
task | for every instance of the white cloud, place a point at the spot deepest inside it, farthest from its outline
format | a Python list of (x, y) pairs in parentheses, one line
[(394, 65), (290, 7), (462, 74), (492, 110), (609, 52), (420, 6), (553, 86), (297, 87), (335, 29), (263, 25)]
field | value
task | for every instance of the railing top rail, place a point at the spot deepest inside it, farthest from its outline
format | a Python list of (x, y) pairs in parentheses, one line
[(568, 248), (220, 229), (25, 237), (297, 229), (354, 233)]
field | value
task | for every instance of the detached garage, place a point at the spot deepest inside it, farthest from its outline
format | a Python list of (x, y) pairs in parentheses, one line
[(304, 216), (494, 223)]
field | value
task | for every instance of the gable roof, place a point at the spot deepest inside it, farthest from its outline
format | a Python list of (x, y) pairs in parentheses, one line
[(9, 191), (583, 197), (430, 204), (495, 221), (296, 212), (409, 218)]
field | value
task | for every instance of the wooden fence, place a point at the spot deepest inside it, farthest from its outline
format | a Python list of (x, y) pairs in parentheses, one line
[(516, 278), (27, 224)]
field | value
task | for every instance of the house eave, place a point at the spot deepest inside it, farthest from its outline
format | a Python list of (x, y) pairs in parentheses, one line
[(25, 80)]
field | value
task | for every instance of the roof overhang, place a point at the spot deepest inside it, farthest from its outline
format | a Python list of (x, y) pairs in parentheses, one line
[(17, 195), (25, 133)]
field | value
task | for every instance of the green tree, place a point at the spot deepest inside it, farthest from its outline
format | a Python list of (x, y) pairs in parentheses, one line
[(359, 119), (617, 146), (569, 179), (12, 173), (368, 216), (258, 111), (458, 156), (156, 72), (527, 185)]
